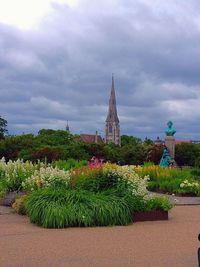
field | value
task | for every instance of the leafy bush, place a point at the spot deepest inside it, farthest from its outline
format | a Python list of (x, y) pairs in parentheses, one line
[(158, 203), (61, 208)]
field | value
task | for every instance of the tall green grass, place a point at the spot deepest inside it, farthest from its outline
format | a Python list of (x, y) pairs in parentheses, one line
[(61, 208)]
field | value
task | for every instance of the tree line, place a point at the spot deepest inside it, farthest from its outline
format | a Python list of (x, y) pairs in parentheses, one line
[(53, 145)]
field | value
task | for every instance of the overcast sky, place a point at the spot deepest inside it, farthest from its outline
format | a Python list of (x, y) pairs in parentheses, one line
[(57, 57)]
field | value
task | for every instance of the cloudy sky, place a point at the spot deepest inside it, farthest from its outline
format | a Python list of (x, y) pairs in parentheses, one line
[(57, 57)]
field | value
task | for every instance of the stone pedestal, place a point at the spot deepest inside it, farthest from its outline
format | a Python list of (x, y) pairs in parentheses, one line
[(170, 144)]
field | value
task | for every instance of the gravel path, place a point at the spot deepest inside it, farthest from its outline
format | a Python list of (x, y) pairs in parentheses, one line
[(170, 243)]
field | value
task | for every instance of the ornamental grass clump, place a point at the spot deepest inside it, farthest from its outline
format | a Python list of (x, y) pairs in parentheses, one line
[(19, 205), (59, 208)]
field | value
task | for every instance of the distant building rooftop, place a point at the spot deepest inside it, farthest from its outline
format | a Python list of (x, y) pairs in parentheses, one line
[(91, 138), (183, 142), (158, 141)]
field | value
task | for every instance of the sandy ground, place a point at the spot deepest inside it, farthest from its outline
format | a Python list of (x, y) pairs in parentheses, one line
[(163, 243)]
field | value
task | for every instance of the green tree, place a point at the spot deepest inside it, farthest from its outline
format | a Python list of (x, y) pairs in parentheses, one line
[(49, 137), (3, 125), (132, 154), (130, 140), (187, 154), (155, 153)]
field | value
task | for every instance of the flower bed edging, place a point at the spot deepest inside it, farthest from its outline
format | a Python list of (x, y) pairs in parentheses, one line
[(155, 215)]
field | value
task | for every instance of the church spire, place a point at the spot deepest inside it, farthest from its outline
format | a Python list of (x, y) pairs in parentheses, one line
[(112, 130), (112, 111), (67, 127)]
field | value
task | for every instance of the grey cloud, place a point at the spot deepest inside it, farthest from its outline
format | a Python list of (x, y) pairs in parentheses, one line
[(62, 70)]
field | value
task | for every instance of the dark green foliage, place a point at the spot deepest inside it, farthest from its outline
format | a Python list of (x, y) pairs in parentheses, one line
[(96, 150), (49, 137), (64, 208), (58, 144), (3, 125), (133, 154), (130, 140), (155, 153), (195, 173), (47, 154), (78, 151), (187, 154)]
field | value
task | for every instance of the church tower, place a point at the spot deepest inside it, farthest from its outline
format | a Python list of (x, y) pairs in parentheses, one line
[(112, 129)]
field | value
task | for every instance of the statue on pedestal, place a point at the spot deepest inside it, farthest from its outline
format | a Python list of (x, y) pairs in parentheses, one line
[(167, 159)]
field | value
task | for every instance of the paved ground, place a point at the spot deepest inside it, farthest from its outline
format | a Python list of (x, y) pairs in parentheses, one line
[(170, 243), (6, 210)]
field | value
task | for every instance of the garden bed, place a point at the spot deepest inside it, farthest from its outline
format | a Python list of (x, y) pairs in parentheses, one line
[(155, 215), (81, 197)]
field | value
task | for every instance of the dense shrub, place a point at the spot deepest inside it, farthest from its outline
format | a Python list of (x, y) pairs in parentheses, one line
[(47, 154)]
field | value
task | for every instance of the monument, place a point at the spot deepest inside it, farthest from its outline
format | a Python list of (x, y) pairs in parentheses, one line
[(167, 159), (170, 139)]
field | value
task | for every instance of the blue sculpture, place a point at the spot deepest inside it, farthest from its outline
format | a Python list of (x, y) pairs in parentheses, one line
[(170, 131), (166, 159)]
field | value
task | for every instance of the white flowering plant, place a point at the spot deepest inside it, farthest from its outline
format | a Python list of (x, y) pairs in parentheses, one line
[(46, 177), (134, 181), (190, 186), (122, 179), (13, 173)]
